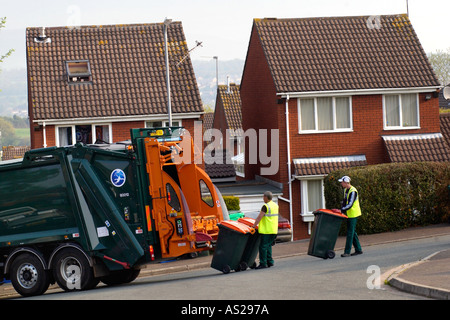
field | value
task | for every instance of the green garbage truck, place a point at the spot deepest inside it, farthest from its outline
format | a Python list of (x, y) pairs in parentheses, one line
[(82, 214)]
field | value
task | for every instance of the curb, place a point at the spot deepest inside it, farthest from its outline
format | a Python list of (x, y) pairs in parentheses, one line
[(395, 281)]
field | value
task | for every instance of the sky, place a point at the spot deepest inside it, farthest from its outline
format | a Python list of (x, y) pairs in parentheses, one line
[(223, 26)]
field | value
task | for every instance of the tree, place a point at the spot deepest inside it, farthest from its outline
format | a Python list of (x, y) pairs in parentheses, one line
[(8, 132), (7, 54), (440, 60)]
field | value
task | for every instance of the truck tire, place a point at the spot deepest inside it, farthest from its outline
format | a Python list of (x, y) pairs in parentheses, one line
[(121, 277), (28, 276), (72, 271)]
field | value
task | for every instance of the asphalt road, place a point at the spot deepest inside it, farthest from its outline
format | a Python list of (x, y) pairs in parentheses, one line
[(300, 277)]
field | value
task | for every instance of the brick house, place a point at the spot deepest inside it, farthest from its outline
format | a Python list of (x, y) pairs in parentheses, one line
[(95, 83), (338, 89)]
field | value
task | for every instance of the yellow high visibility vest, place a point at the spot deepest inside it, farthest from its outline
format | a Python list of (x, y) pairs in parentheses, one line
[(355, 210), (269, 223)]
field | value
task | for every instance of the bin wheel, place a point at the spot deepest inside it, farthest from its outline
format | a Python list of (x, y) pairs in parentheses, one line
[(226, 269), (331, 254), (243, 266)]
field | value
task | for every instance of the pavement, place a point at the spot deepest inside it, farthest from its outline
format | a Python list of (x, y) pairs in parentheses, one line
[(429, 277)]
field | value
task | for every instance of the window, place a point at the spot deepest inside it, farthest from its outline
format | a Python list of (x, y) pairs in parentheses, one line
[(78, 72), (172, 198), (162, 124), (206, 194), (312, 196), (401, 111), (70, 135), (326, 114)]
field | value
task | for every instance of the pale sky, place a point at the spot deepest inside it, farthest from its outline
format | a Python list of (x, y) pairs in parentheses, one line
[(223, 26)]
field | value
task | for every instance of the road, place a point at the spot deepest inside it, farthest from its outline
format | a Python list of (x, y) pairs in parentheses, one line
[(300, 277)]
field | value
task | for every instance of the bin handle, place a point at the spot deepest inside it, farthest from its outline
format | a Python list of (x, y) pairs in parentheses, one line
[(252, 230)]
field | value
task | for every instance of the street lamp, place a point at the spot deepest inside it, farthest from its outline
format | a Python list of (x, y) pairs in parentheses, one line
[(167, 22)]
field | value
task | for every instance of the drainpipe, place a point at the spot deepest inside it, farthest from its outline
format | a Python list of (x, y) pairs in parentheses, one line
[(45, 135), (289, 168)]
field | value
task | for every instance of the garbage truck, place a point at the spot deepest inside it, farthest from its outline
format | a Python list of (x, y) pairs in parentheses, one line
[(82, 214)]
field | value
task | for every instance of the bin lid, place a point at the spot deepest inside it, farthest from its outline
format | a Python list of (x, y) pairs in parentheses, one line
[(236, 226), (247, 221), (328, 211)]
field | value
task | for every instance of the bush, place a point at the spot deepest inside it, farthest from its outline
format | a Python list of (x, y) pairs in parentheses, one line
[(395, 196), (232, 203)]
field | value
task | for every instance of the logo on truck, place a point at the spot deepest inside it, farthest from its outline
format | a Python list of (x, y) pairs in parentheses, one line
[(118, 178)]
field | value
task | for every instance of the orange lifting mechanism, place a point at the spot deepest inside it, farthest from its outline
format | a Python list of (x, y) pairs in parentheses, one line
[(186, 206)]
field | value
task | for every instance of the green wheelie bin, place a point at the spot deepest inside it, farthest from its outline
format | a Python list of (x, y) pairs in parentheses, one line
[(325, 232), (252, 247), (231, 243)]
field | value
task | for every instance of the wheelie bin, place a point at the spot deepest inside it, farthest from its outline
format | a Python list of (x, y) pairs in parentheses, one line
[(325, 232), (252, 247), (231, 243)]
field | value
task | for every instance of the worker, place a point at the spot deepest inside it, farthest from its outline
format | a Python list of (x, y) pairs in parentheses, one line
[(351, 207), (268, 230)]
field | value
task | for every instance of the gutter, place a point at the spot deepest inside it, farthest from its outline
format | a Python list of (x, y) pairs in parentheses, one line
[(337, 93)]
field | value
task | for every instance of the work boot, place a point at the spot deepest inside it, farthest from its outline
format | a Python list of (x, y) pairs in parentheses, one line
[(261, 266), (345, 255), (356, 253), (270, 264)]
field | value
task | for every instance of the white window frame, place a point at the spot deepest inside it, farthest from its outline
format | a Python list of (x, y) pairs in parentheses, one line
[(316, 125), (74, 138), (307, 215), (401, 127), (165, 122)]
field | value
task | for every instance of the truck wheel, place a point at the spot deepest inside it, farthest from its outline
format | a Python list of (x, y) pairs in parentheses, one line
[(72, 271), (120, 277), (28, 276)]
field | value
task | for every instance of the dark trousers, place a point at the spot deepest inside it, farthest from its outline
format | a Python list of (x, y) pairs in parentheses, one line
[(352, 237), (265, 249)]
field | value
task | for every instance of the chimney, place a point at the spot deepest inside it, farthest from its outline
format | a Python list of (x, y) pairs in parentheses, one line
[(228, 85)]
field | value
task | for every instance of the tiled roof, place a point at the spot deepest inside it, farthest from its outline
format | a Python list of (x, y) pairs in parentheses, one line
[(445, 126), (128, 72), (417, 147), (325, 165), (221, 168), (10, 153), (230, 97), (208, 119), (344, 53)]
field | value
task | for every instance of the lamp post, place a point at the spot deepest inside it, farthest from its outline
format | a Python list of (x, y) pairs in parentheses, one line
[(167, 22)]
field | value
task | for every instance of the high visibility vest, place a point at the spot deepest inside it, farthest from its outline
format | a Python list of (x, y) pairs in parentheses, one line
[(355, 210), (269, 222)]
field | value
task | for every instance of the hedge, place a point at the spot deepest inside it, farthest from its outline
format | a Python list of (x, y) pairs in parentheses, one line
[(395, 196), (232, 203)]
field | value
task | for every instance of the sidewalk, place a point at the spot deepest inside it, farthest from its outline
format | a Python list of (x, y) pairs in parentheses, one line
[(429, 277)]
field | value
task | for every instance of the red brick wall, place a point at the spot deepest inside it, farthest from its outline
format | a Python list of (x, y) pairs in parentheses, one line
[(258, 96), (120, 131)]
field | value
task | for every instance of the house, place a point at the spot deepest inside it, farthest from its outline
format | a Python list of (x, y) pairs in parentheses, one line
[(228, 120), (342, 92), (95, 83)]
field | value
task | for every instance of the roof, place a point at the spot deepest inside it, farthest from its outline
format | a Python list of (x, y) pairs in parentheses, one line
[(417, 147), (344, 53), (208, 119), (128, 72), (230, 97), (218, 164), (10, 153), (325, 165), (445, 126)]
